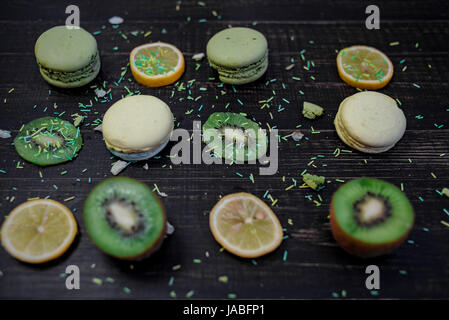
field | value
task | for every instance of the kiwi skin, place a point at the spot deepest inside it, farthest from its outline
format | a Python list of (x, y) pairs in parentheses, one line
[(359, 248), (157, 244)]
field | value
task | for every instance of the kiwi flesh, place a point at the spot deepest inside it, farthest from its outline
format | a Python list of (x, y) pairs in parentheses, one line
[(370, 217), (124, 218), (48, 141), (232, 136)]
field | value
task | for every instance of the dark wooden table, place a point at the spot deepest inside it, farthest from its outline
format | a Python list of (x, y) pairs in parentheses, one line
[(315, 266)]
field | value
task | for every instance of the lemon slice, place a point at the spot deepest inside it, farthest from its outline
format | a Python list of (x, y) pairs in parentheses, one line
[(38, 231), (364, 67), (245, 226), (156, 64)]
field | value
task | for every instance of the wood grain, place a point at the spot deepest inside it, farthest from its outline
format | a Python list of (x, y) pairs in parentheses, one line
[(316, 267)]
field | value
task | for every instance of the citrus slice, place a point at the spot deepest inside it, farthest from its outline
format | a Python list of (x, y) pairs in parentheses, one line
[(156, 64), (245, 226), (38, 231), (364, 67)]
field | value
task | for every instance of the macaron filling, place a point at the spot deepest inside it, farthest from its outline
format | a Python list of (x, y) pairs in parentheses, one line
[(245, 72), (138, 156), (74, 76)]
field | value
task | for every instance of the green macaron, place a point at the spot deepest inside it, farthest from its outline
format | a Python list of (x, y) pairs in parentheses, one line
[(240, 55), (67, 57)]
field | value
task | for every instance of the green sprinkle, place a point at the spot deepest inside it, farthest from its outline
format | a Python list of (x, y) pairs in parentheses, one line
[(223, 279), (176, 267), (190, 294), (127, 290), (392, 44), (232, 295), (173, 294), (284, 258), (97, 281), (196, 260), (110, 280), (63, 172)]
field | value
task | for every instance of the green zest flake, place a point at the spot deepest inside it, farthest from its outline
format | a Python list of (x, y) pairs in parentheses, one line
[(313, 181)]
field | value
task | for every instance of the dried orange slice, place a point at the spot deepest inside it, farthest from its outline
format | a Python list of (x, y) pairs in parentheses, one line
[(245, 226), (38, 231), (156, 64), (364, 67)]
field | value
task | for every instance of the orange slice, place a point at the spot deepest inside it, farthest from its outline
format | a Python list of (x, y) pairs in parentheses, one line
[(156, 64), (364, 67), (245, 226), (38, 231)]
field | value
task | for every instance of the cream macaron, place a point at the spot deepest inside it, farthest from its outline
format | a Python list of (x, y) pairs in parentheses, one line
[(370, 122), (137, 127)]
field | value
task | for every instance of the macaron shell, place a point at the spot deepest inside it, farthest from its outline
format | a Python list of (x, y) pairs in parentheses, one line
[(236, 47), (64, 49), (373, 119), (348, 140), (137, 124)]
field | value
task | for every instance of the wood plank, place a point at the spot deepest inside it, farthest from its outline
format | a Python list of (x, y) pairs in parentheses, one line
[(316, 266)]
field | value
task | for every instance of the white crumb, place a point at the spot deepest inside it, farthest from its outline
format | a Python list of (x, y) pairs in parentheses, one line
[(198, 56), (5, 134), (100, 93), (297, 135), (119, 166), (115, 20), (170, 228)]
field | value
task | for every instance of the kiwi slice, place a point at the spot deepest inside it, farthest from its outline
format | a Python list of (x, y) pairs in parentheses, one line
[(124, 218), (370, 217), (48, 141), (232, 136)]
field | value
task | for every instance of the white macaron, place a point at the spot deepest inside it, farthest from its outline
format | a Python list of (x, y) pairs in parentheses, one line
[(370, 122)]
